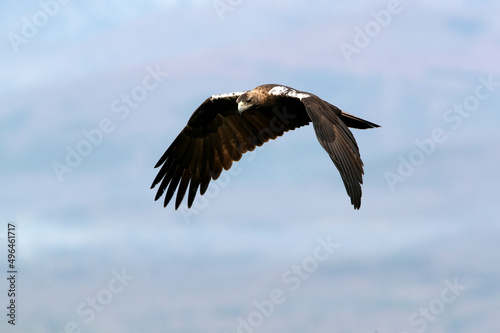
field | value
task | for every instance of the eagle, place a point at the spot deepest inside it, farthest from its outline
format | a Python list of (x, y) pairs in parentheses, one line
[(225, 126)]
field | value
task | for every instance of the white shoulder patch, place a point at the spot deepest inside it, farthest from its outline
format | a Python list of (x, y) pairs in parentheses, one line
[(281, 90), (232, 95), (278, 90)]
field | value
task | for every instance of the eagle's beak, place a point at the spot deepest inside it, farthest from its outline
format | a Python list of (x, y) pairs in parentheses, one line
[(241, 107)]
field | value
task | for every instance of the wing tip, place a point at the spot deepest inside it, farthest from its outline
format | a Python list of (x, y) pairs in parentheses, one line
[(356, 204)]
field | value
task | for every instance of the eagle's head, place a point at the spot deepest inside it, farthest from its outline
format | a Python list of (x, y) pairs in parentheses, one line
[(249, 100)]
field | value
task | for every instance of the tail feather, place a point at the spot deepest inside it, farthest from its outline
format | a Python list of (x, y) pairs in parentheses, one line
[(355, 122), (350, 120)]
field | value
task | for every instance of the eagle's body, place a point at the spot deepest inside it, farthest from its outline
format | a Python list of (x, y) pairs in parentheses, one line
[(226, 126)]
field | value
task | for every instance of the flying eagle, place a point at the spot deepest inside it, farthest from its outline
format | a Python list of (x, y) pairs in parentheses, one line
[(226, 126)]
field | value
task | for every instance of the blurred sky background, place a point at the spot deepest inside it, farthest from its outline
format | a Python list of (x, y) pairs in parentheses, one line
[(96, 253)]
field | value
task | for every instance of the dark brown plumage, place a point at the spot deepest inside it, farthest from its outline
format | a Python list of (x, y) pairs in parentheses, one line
[(226, 126)]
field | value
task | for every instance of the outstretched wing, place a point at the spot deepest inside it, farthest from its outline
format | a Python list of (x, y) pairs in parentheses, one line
[(215, 136), (338, 141)]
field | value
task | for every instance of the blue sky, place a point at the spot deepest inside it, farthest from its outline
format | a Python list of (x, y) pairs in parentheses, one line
[(428, 73)]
